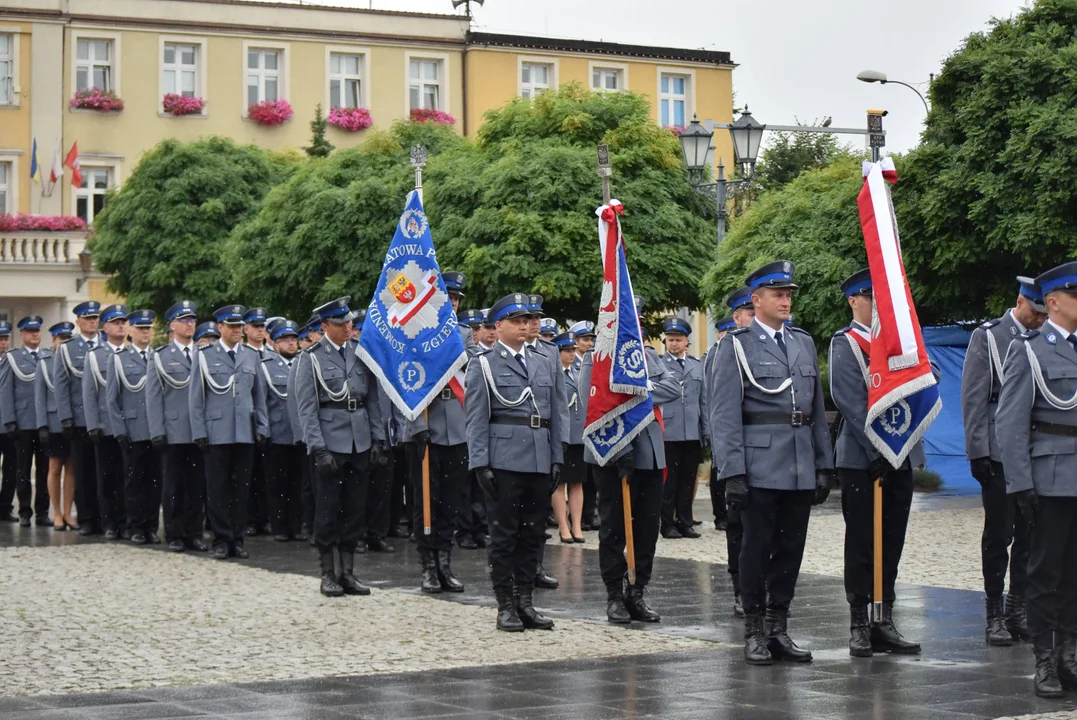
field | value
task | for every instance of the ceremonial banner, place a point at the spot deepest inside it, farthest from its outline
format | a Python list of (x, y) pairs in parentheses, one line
[(619, 405), (411, 339), (903, 399)]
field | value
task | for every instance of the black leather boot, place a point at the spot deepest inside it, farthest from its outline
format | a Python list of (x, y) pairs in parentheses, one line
[(430, 583), (348, 581), (507, 618), (530, 617), (330, 586), (755, 644), (996, 633), (1016, 619), (544, 580), (1065, 661), (738, 604), (638, 607), (616, 612), (859, 632), (886, 638), (779, 643), (1046, 683), (448, 581)]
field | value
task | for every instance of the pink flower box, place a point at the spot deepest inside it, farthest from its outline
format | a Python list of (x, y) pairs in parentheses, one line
[(426, 115), (270, 112), (350, 119), (179, 105), (24, 223), (95, 99)]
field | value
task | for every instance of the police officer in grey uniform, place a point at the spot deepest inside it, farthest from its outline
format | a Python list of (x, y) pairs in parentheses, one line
[(68, 368), (583, 332), (342, 426), (1036, 426), (684, 431), (858, 465), (168, 380), (306, 531), (125, 398), (20, 420), (255, 334), (514, 438), (570, 514), (228, 417), (109, 461), (454, 286), (981, 380), (284, 459), (717, 489), (53, 435), (471, 506), (775, 453), (8, 462)]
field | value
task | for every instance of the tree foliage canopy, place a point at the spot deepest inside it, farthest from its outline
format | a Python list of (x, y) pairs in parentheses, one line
[(788, 154)]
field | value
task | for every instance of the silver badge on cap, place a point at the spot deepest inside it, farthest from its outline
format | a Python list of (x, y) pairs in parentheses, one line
[(236, 309), (519, 298), (787, 267)]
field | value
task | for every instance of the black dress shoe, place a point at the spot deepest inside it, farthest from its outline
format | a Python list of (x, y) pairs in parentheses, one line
[(398, 531), (569, 540), (379, 545), (616, 612), (9, 517), (721, 524), (578, 540), (360, 548), (198, 545), (755, 644), (780, 645), (110, 534), (467, 543), (544, 580), (671, 533), (697, 522), (688, 531), (220, 552), (637, 605), (176, 546), (24, 522), (251, 530), (303, 535), (240, 553), (87, 528), (885, 636), (139, 538), (529, 616), (43, 521), (280, 538), (507, 618), (587, 527), (153, 538)]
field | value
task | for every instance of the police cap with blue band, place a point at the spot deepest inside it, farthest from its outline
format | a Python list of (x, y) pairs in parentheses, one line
[(285, 328), (565, 341), (207, 328), (859, 283), (141, 318), (777, 275), (314, 324), (30, 322), (740, 298), (640, 301), (304, 332), (676, 326), (273, 323), (471, 318), (454, 282), (113, 312), (547, 326), (510, 306), (725, 324), (486, 321), (88, 309), (1062, 278), (584, 328), (230, 314), (534, 304), (5, 328), (62, 328), (255, 316), (181, 311), (1031, 292), (336, 312), (359, 317)]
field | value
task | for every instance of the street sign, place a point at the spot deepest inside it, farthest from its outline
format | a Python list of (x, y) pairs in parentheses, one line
[(876, 138)]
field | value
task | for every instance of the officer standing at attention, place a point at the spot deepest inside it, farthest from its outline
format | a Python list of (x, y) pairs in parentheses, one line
[(68, 368), (206, 334), (254, 330), (50, 433), (683, 434), (169, 413), (343, 428), (97, 369), (284, 459), (20, 420), (454, 286), (717, 490), (308, 474), (981, 380), (575, 469), (859, 464), (1036, 425), (775, 453), (228, 416), (514, 439), (8, 462), (125, 396), (583, 333)]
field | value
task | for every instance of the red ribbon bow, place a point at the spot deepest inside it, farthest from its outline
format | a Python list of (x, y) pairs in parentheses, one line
[(609, 211)]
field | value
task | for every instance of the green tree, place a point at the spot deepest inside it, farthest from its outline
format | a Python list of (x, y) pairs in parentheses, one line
[(319, 146), (788, 154), (160, 236)]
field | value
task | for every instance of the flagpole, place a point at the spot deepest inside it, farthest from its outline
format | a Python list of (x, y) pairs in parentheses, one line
[(877, 594), (418, 161)]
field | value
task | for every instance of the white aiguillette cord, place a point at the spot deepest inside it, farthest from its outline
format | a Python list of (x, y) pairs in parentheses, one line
[(271, 386), (23, 377), (137, 387), (742, 360), (229, 387), (1037, 375), (168, 379), (66, 354), (337, 396)]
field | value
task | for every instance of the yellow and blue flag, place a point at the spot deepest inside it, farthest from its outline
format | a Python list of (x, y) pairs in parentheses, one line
[(35, 166)]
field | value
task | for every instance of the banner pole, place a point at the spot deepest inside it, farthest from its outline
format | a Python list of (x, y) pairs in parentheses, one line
[(877, 594), (630, 540), (426, 480)]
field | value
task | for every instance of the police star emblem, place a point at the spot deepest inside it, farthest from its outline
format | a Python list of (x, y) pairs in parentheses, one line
[(1052, 339)]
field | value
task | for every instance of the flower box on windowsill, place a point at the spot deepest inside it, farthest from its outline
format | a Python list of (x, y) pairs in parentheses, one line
[(35, 223), (350, 119), (96, 100), (428, 115), (178, 105), (270, 113)]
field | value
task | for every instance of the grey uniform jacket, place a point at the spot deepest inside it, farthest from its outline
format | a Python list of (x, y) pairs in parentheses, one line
[(235, 416), (1033, 459), (853, 450), (649, 449), (446, 419), (94, 382), (576, 419), (127, 408), (168, 394), (68, 366), (683, 415), (336, 428), (980, 385), (17, 396), (774, 456), (275, 373), (516, 448), (45, 398), (292, 405)]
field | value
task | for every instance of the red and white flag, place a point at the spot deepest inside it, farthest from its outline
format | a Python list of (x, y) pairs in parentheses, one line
[(72, 161), (57, 167)]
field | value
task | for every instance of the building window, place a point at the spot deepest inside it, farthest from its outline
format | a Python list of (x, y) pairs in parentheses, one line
[(7, 69), (180, 68), (607, 79), (345, 80), (6, 176), (90, 197), (93, 64), (425, 88), (263, 75), (534, 79), (674, 98)]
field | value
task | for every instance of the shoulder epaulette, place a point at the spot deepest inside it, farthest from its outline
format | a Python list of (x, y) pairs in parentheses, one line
[(844, 330), (737, 331), (991, 323), (802, 331), (70, 339), (483, 351)]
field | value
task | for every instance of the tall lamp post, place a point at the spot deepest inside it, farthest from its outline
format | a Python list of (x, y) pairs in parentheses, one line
[(874, 76)]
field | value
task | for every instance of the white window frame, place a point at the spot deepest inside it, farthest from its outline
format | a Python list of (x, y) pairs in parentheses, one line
[(593, 65), (90, 161), (444, 83), (364, 73), (201, 72), (555, 71), (15, 89), (689, 91), (114, 63), (11, 159), (284, 64)]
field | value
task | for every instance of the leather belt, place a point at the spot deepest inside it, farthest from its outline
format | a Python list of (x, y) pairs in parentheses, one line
[(795, 418), (351, 404), (531, 421), (1054, 428)]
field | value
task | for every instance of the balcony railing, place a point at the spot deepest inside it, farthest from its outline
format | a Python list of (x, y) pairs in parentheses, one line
[(41, 247)]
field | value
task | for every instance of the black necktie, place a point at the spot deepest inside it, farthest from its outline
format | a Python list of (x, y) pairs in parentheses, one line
[(342, 356), (680, 361), (90, 344), (142, 353), (781, 343), (1073, 341), (232, 354), (119, 350), (33, 354), (520, 359), (187, 354)]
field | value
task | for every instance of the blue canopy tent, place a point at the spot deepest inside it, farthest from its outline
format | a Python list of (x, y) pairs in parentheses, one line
[(945, 439)]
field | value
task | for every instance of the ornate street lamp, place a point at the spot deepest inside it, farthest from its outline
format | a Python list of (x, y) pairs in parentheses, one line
[(747, 135)]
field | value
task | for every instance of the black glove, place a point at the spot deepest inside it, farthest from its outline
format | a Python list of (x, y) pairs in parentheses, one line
[(11, 427), (327, 464), (1028, 502), (982, 470), (43, 435), (823, 482), (124, 440), (378, 454), (97, 435), (202, 443), (625, 464), (736, 493), (68, 429), (261, 439), (555, 477), (487, 481), (158, 442), (422, 440), (878, 469)]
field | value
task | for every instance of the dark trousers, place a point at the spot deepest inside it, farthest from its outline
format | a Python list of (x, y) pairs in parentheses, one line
[(1052, 568), (110, 483), (717, 488), (858, 508), (33, 495), (379, 497), (257, 498), (1003, 525), (775, 528), (141, 486), (734, 539), (184, 495), (401, 501), (341, 503), (448, 471), (9, 473), (228, 482), (306, 491), (517, 527), (471, 519), (646, 495), (284, 488), (85, 460), (590, 497), (682, 462)]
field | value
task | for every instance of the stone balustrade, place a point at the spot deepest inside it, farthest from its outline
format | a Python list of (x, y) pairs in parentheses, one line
[(41, 247)]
